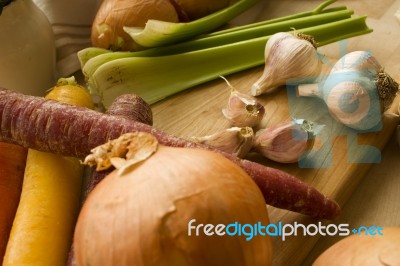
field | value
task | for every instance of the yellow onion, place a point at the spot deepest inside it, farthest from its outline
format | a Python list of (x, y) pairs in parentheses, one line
[(139, 214), (113, 15), (369, 249)]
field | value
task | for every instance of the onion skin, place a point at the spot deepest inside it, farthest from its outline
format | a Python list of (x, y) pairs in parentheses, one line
[(364, 250), (107, 28), (144, 214), (132, 13)]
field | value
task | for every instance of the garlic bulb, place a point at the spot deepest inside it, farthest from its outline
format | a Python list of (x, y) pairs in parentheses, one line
[(369, 66), (243, 110), (288, 57), (356, 91), (286, 142), (235, 140)]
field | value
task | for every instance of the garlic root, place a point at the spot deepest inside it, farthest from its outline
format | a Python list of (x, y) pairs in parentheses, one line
[(388, 88)]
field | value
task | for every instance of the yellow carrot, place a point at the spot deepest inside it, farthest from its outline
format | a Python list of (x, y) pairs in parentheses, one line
[(44, 223)]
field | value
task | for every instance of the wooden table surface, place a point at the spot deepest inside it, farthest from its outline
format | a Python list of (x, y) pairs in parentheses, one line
[(376, 199)]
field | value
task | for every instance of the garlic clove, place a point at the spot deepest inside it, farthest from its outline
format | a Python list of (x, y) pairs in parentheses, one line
[(234, 140), (291, 57), (242, 110), (286, 142)]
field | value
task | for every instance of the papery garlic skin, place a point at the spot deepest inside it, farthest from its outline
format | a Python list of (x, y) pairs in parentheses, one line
[(234, 140), (283, 143), (357, 60), (243, 111), (287, 57)]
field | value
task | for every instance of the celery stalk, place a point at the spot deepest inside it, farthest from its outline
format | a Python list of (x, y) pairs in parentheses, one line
[(248, 33), (158, 33), (91, 65), (321, 9), (300, 20), (86, 54), (155, 78)]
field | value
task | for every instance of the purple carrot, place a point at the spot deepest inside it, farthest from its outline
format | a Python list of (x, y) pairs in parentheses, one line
[(129, 106), (50, 126)]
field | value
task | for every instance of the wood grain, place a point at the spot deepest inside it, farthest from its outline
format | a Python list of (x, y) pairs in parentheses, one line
[(197, 112)]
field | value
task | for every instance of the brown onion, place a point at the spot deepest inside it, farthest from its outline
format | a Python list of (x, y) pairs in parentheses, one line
[(113, 15), (364, 250), (139, 214), (107, 28)]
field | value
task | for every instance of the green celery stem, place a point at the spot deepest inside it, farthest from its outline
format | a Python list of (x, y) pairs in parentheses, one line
[(280, 19), (248, 33), (196, 67), (158, 33)]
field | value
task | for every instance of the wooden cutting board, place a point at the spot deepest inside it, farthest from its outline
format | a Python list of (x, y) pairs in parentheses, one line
[(197, 112)]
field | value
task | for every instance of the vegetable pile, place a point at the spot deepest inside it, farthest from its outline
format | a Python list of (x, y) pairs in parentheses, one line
[(192, 61), (144, 184), (75, 131)]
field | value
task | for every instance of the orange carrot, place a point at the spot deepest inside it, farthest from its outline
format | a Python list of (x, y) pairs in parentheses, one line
[(42, 230), (12, 165)]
